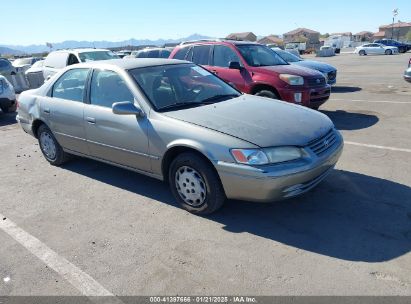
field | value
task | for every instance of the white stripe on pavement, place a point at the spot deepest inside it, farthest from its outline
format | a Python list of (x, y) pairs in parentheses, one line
[(372, 101), (377, 147), (79, 279)]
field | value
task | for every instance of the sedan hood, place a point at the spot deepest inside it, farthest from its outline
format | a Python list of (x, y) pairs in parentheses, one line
[(316, 65), (261, 121)]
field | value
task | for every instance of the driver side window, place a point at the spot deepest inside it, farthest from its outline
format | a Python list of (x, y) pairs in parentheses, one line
[(107, 87), (223, 55)]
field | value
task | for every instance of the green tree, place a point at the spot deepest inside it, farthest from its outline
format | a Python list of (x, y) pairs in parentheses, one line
[(408, 36)]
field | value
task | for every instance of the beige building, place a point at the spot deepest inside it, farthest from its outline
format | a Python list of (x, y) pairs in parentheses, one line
[(397, 31), (272, 39), (362, 36), (312, 38), (247, 36)]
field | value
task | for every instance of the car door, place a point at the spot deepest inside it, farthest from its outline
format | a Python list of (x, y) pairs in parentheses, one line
[(63, 110), (221, 57), (120, 139)]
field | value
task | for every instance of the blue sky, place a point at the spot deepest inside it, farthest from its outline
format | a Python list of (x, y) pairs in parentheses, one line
[(36, 22)]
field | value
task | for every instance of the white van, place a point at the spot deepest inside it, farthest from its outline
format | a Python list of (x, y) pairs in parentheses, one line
[(60, 59)]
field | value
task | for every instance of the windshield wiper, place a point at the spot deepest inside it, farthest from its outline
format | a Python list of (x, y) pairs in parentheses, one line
[(179, 105), (219, 97)]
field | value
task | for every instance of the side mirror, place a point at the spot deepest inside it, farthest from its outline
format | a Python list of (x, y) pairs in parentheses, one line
[(235, 65), (126, 108)]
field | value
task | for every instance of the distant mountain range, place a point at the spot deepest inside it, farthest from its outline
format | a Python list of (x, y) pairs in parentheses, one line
[(39, 48), (8, 51)]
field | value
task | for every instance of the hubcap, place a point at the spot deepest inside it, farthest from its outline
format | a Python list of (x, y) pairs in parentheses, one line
[(191, 186), (47, 145)]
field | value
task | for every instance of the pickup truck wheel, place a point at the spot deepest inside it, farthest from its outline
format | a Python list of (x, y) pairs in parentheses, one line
[(268, 94), (50, 148), (195, 184), (388, 52)]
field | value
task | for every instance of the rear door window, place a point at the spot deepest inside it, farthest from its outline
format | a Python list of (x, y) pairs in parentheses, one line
[(181, 54), (201, 54), (71, 85)]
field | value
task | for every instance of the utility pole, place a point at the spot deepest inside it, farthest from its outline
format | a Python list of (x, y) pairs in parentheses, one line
[(394, 14)]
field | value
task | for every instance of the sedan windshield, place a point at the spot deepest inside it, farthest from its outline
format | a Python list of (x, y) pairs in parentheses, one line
[(287, 56), (98, 55), (260, 55), (177, 86)]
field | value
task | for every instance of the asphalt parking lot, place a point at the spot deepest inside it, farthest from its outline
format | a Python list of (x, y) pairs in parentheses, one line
[(92, 229)]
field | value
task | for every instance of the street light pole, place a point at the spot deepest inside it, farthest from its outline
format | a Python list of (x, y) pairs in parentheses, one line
[(394, 14)]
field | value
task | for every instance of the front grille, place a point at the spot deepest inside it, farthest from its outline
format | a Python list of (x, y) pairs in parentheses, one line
[(332, 75), (321, 145), (316, 82)]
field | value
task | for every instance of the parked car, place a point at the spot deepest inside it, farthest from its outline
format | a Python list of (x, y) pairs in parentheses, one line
[(175, 121), (375, 49), (7, 96), (23, 64), (150, 53), (401, 46), (407, 73), (300, 47), (123, 53), (6, 67), (255, 69), (58, 60), (35, 75), (329, 72)]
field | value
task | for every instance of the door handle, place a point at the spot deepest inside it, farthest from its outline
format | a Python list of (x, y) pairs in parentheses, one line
[(91, 120), (46, 110)]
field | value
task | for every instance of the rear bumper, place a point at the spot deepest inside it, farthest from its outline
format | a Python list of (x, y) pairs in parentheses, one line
[(276, 182), (310, 97)]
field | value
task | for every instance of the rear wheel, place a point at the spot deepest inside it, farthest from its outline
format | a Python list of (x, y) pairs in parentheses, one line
[(362, 53), (195, 184), (388, 52), (267, 93), (50, 148)]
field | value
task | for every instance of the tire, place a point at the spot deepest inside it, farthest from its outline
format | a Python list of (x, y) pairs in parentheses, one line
[(362, 53), (10, 109), (268, 94), (388, 52), (50, 148), (206, 193)]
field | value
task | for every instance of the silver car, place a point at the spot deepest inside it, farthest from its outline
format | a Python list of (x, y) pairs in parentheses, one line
[(175, 121)]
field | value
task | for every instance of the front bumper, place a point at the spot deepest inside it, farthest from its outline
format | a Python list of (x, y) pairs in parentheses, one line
[(310, 97), (407, 76), (277, 182)]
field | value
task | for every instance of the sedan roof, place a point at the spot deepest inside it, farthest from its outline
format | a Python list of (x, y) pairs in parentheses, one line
[(130, 63)]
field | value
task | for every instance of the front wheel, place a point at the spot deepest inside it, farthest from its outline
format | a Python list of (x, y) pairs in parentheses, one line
[(50, 148), (388, 52), (267, 93), (195, 184), (362, 53)]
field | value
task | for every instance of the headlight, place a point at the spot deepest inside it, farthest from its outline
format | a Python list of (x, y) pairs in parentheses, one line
[(292, 79), (267, 156), (326, 77)]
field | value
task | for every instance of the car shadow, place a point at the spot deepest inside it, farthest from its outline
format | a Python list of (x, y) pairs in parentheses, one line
[(7, 119), (345, 89), (349, 216), (351, 121)]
